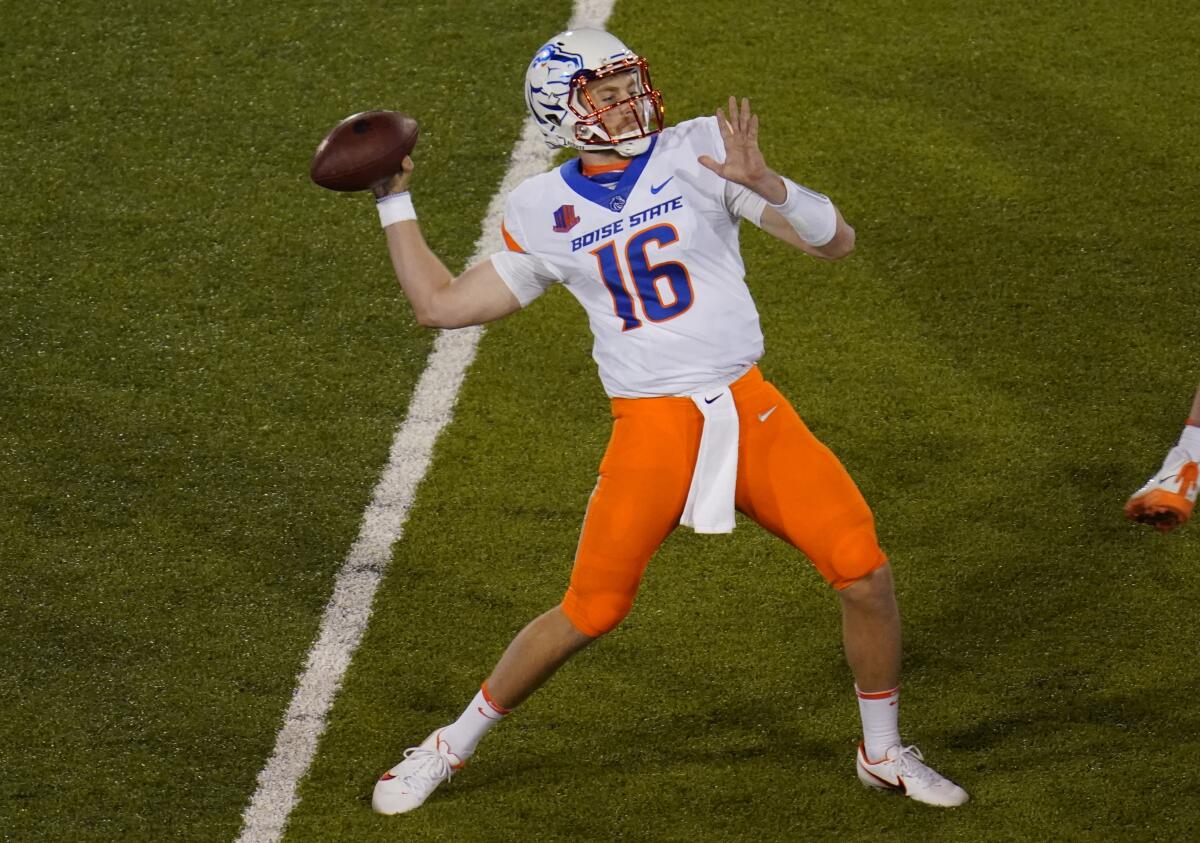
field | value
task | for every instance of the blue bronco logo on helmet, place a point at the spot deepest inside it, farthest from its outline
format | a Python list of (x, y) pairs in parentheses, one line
[(549, 82)]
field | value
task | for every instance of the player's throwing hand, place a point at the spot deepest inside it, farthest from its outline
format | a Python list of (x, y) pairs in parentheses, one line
[(744, 162), (398, 183)]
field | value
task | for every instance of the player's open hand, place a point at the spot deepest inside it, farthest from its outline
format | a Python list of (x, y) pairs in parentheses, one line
[(398, 182), (744, 163)]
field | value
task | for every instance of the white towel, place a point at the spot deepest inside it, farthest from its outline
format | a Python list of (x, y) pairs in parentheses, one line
[(709, 507)]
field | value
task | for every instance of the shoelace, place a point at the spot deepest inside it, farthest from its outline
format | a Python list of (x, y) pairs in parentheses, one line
[(910, 763), (431, 766)]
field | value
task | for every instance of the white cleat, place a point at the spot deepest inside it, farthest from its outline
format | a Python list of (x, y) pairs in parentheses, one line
[(903, 770), (407, 785), (1167, 499)]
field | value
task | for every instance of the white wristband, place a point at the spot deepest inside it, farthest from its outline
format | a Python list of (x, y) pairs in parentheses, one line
[(396, 207), (810, 213)]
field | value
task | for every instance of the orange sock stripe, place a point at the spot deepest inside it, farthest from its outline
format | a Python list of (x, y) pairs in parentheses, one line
[(1193, 422), (488, 697), (876, 695)]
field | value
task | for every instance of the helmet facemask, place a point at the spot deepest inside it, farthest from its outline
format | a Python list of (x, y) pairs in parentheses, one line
[(616, 107)]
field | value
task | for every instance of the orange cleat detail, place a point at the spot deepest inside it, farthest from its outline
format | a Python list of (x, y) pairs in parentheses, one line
[(1167, 500)]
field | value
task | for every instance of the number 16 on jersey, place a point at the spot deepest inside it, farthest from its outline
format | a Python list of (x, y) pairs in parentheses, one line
[(664, 289)]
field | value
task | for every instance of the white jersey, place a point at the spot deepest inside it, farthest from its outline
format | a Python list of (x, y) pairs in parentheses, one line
[(653, 259)]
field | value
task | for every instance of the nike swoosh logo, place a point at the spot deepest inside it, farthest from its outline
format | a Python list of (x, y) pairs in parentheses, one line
[(660, 187), (710, 400), (762, 417), (896, 785)]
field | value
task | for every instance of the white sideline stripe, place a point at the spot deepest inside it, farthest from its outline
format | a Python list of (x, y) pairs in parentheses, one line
[(349, 607)]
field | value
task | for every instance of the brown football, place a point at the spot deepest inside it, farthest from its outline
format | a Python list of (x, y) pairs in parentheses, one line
[(363, 150)]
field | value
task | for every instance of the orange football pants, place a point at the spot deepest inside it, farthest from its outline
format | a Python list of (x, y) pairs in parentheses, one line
[(787, 481)]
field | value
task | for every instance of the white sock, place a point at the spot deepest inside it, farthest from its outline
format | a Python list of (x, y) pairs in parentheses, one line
[(880, 712), (1189, 440), (463, 735)]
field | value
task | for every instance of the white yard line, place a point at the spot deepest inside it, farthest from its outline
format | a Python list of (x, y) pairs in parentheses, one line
[(349, 608)]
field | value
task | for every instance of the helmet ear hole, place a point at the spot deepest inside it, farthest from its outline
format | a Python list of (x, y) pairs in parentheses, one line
[(588, 133)]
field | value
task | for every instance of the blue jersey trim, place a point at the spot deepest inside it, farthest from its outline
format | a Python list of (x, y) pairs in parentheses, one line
[(611, 199)]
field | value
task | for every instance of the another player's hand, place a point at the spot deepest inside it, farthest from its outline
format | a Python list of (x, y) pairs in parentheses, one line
[(744, 163), (398, 182)]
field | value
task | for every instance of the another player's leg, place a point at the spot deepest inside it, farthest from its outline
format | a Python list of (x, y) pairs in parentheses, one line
[(637, 502), (795, 487), (1168, 498)]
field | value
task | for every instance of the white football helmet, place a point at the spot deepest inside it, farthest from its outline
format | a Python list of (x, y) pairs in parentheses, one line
[(557, 95)]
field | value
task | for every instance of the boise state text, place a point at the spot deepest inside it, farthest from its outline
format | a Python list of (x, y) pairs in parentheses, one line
[(613, 228)]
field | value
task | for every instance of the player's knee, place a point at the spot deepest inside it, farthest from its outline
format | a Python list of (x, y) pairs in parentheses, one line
[(596, 613), (855, 557)]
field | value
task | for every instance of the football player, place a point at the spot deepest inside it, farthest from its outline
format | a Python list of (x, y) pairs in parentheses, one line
[(1167, 499), (642, 228)]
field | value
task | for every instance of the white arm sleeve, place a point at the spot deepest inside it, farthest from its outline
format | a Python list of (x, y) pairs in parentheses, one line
[(526, 275), (744, 202), (811, 214)]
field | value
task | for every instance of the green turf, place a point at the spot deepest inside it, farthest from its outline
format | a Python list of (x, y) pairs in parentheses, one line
[(205, 358), (204, 361)]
